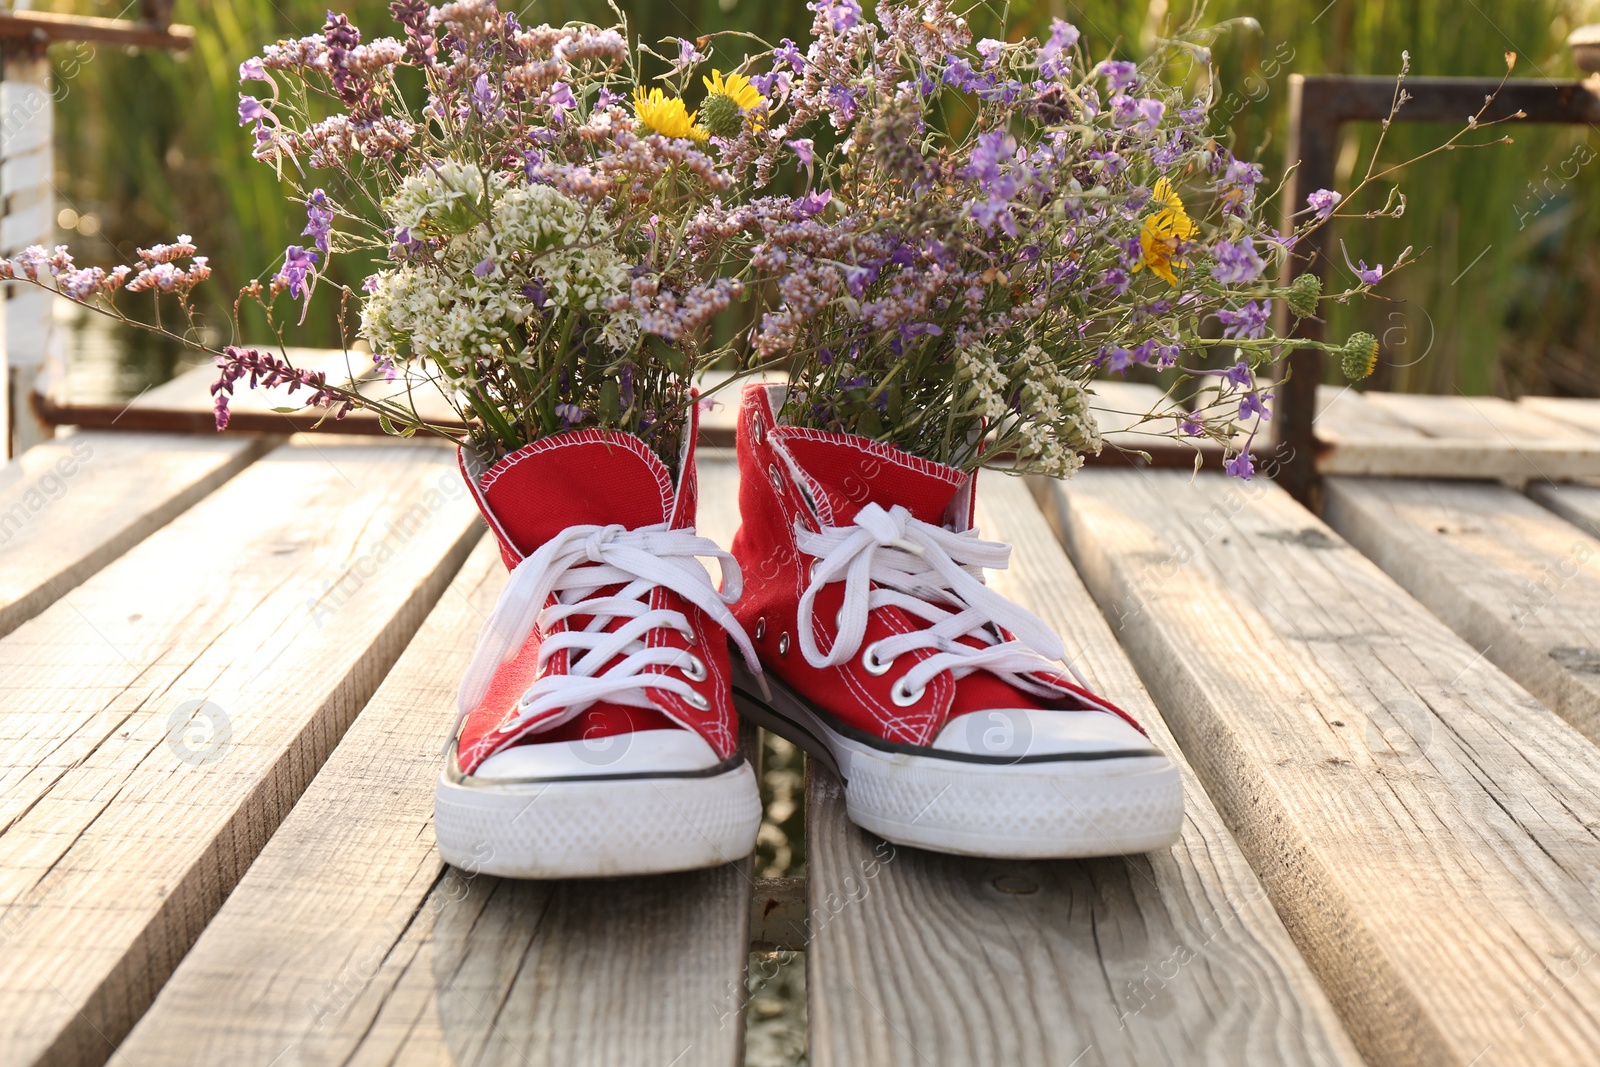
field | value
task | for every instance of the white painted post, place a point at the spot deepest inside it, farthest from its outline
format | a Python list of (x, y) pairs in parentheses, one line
[(27, 217)]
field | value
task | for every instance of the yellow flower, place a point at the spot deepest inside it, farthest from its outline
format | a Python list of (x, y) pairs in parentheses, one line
[(666, 115), (1163, 232), (727, 102), (736, 88)]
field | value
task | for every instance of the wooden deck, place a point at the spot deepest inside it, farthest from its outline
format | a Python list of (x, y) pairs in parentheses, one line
[(229, 663)]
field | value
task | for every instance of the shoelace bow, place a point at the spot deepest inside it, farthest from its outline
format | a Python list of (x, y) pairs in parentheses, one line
[(893, 559), (576, 565)]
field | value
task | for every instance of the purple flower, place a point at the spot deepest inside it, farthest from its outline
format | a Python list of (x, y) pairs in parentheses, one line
[(371, 282), (252, 70), (1323, 201), (843, 99), (483, 95), (1116, 360), (484, 268), (251, 110), (1119, 74), (1254, 405), (1238, 374), (1239, 466), (1116, 279), (841, 16), (570, 415), (804, 150), (1111, 163), (688, 55), (386, 365), (535, 293), (1237, 262), (319, 214), (991, 51), (788, 53), (1137, 111), (1368, 276), (1055, 56), (1247, 322), (298, 265), (961, 75), (811, 204), (559, 97)]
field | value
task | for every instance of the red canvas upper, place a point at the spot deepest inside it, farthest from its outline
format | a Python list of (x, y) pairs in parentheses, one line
[(790, 475), (592, 477)]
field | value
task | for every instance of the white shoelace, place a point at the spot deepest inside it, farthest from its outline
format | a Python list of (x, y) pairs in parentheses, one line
[(574, 566), (892, 559)]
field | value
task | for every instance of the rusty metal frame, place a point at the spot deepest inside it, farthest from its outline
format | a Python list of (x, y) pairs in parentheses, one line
[(1318, 106)]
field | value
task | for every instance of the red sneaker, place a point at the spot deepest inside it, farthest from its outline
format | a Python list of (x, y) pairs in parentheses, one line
[(597, 734), (939, 703)]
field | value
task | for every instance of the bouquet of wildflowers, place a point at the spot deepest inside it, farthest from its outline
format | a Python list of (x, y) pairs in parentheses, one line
[(997, 223), (531, 212)]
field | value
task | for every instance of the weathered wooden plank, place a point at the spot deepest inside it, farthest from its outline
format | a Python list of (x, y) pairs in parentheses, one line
[(1346, 416), (1425, 827), (1174, 957), (348, 941), (163, 717), (1513, 580), (1490, 419), (1579, 413), (1394, 434), (1578, 504), (70, 506)]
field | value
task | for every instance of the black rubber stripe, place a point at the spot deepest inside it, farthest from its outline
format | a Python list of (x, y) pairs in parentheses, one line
[(871, 741), (457, 778)]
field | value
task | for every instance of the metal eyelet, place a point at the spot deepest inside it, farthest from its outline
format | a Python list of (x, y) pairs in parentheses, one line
[(758, 431), (761, 628), (774, 477), (783, 644), (902, 697), (811, 574), (696, 669), (696, 701), (871, 663)]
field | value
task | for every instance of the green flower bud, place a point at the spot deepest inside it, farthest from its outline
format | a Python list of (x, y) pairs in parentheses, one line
[(721, 116), (1359, 354), (1304, 294)]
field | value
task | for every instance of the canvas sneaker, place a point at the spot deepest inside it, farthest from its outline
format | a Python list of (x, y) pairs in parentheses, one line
[(596, 732), (943, 707)]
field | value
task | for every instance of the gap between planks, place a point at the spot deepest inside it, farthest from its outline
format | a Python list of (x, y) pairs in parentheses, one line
[(918, 958), (71, 505), (163, 717), (1425, 827)]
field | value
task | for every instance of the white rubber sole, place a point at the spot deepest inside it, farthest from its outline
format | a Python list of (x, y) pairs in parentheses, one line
[(1047, 809), (597, 827)]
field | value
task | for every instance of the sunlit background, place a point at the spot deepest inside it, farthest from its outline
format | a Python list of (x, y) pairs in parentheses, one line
[(1504, 301)]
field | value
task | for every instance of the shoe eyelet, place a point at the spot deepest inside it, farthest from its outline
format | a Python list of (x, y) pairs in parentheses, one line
[(761, 628), (692, 637), (783, 644), (872, 664), (695, 671), (697, 701), (758, 431), (902, 697), (811, 573), (774, 477)]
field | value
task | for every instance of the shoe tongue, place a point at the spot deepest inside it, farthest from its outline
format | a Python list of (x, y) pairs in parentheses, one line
[(595, 477), (852, 472)]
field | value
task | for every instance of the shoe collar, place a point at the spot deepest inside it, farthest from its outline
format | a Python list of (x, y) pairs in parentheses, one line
[(534, 493), (840, 473)]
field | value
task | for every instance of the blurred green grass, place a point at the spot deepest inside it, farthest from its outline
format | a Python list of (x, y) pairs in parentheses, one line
[(1503, 301)]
